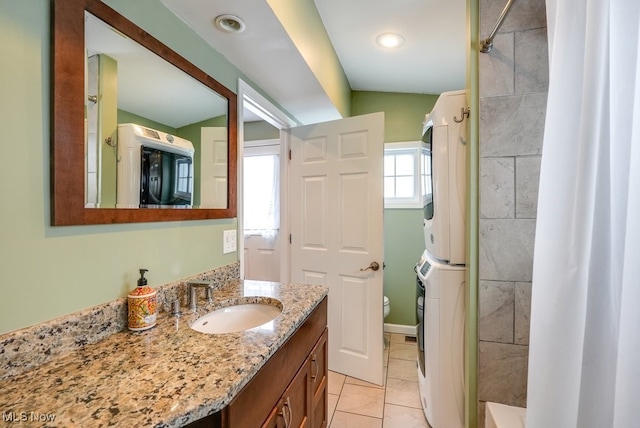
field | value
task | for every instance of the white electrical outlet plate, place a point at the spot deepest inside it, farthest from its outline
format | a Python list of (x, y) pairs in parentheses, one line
[(228, 241)]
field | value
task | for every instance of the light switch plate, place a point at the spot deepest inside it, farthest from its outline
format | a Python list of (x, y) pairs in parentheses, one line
[(228, 241)]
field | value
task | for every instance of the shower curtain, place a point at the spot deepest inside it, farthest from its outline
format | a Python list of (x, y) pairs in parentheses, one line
[(584, 360)]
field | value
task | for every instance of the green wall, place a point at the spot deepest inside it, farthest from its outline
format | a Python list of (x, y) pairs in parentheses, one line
[(403, 234), (403, 113), (127, 117), (260, 130), (403, 245), (46, 271), (108, 127), (473, 215)]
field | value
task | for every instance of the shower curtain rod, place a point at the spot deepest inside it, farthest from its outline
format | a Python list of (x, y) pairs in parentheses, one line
[(487, 44)]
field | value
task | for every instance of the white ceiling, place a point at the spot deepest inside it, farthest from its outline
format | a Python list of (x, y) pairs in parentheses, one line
[(431, 61), (143, 78)]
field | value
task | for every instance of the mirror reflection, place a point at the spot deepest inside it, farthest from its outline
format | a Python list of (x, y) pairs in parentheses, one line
[(155, 136)]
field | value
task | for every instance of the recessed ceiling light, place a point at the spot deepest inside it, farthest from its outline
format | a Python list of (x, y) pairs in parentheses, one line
[(390, 40), (230, 23)]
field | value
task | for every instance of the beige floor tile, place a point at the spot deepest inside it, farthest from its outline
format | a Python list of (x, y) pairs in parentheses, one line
[(403, 351), (349, 420), (332, 402), (402, 369), (336, 380), (353, 403), (353, 381), (403, 393), (361, 400), (403, 417)]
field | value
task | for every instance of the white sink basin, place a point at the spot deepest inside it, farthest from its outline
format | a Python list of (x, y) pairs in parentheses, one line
[(237, 317)]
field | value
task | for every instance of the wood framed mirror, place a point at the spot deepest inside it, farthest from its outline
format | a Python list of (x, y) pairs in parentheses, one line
[(69, 150)]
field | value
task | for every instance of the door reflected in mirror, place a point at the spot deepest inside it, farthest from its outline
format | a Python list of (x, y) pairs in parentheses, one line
[(155, 137)]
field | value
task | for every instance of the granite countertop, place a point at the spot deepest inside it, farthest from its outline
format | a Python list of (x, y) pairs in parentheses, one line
[(167, 376)]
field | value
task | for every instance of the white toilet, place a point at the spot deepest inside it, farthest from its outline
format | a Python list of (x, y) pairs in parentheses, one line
[(387, 308)]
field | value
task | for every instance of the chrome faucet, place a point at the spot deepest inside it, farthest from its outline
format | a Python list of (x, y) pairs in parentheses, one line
[(192, 295)]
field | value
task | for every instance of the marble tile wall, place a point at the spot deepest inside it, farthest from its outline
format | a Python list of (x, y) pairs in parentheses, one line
[(513, 95)]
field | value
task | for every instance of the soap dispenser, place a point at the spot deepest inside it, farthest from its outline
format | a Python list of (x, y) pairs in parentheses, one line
[(142, 305)]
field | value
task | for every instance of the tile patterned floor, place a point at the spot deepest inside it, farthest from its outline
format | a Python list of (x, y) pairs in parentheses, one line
[(357, 404)]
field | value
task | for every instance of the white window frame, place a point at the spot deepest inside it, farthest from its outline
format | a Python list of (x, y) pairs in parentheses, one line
[(262, 148), (183, 180), (419, 199)]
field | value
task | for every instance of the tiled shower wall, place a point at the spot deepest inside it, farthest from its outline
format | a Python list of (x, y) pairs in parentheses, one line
[(513, 94)]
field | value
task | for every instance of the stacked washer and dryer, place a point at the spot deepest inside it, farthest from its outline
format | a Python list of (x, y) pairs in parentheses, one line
[(441, 269)]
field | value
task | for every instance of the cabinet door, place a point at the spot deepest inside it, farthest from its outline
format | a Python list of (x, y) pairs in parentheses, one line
[(319, 383), (296, 401), (275, 419)]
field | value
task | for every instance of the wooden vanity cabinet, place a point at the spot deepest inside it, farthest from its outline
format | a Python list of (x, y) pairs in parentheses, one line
[(290, 390), (319, 382)]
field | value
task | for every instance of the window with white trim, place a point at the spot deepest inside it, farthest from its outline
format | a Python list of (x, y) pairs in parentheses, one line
[(261, 188), (184, 177), (407, 175)]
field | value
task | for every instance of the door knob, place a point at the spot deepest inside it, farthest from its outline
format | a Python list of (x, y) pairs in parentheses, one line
[(373, 266)]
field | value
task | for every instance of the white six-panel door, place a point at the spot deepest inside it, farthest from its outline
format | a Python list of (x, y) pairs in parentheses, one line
[(261, 254), (336, 217), (213, 167)]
